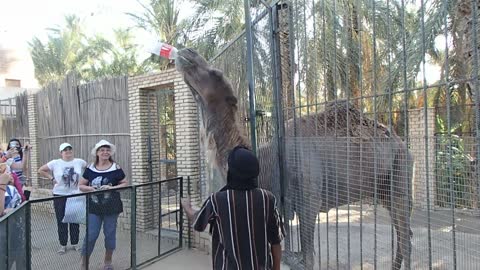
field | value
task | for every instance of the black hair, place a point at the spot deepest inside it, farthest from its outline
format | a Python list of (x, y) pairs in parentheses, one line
[(19, 149)]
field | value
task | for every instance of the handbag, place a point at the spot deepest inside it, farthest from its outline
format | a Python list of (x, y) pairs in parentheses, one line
[(75, 210)]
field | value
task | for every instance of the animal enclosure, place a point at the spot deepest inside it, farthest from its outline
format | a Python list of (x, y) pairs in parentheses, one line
[(366, 119)]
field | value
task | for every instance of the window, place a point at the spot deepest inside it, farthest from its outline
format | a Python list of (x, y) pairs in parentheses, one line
[(12, 83)]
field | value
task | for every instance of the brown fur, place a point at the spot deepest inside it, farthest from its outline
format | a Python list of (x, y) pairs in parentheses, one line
[(318, 177)]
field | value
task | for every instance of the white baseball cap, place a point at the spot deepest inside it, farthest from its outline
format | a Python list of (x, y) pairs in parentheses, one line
[(63, 146)]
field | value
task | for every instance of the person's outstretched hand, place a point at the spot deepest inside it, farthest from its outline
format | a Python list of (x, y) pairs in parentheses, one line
[(186, 204)]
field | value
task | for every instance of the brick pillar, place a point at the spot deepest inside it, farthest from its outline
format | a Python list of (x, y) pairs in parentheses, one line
[(33, 131), (188, 151), (418, 132), (186, 139)]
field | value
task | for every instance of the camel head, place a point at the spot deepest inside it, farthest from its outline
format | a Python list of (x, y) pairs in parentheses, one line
[(217, 105), (210, 88)]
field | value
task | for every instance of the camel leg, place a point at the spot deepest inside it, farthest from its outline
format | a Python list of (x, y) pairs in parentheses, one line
[(402, 209), (307, 230), (404, 234), (401, 222)]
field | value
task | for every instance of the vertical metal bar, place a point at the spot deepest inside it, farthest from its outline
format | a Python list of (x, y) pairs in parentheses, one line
[(375, 191), (87, 231), (298, 160), (277, 82), (5, 221), (160, 217), (348, 137), (133, 228), (149, 140), (449, 161), (28, 235), (250, 77), (189, 225), (360, 79), (335, 96), (405, 97), (390, 126), (476, 91), (305, 56), (426, 139), (180, 233), (325, 99), (316, 82)]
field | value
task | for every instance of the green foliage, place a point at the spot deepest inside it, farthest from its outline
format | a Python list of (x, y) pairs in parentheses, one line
[(69, 50), (453, 169)]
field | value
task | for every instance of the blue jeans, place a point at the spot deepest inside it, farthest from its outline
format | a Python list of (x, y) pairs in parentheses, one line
[(94, 226)]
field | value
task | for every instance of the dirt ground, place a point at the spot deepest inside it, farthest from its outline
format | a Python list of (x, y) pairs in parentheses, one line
[(335, 239)]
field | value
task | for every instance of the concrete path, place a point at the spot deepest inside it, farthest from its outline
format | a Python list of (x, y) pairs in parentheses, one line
[(186, 259)]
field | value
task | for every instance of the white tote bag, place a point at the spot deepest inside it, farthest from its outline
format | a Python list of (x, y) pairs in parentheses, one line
[(75, 210)]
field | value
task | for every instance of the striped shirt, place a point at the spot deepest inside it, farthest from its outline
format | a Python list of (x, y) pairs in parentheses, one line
[(244, 225), (19, 173)]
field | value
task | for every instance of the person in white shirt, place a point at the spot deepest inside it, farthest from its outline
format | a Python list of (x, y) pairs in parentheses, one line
[(65, 172)]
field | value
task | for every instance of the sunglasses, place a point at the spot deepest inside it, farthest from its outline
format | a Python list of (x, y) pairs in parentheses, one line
[(68, 148)]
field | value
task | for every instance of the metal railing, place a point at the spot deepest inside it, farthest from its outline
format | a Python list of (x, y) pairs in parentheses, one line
[(149, 228)]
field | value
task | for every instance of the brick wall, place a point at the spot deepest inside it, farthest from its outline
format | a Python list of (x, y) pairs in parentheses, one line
[(423, 153)]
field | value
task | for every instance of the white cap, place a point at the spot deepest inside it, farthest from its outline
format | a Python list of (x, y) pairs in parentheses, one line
[(63, 146), (103, 143)]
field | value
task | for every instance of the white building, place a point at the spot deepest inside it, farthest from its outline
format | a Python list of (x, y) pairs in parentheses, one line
[(16, 69)]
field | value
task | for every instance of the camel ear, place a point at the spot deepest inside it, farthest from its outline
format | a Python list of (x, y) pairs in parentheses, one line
[(231, 100)]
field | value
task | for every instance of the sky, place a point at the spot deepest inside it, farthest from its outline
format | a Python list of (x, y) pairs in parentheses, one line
[(21, 20)]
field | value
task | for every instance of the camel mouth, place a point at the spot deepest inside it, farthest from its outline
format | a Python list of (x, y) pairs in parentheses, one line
[(187, 58)]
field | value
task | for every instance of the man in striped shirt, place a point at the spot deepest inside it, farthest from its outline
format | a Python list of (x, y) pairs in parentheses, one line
[(244, 221)]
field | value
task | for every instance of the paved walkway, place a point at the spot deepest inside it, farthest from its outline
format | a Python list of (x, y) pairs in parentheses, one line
[(186, 259)]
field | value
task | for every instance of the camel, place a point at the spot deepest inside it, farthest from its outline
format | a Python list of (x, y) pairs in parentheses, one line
[(333, 164)]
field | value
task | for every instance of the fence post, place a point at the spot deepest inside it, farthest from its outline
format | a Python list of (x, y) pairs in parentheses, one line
[(250, 78), (133, 228), (180, 233), (28, 235)]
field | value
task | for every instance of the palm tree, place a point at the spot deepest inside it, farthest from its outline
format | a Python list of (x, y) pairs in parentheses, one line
[(214, 24), (161, 17), (113, 58), (69, 50), (62, 54)]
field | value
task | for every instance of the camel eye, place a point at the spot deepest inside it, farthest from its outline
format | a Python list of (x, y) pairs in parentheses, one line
[(216, 74)]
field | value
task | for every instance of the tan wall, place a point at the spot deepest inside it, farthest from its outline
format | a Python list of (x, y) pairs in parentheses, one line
[(17, 64), (423, 153)]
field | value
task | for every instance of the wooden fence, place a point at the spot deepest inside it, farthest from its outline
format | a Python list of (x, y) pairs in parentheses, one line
[(82, 115), (14, 119)]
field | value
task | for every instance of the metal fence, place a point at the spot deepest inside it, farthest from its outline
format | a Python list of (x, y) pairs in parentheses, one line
[(339, 92), (29, 238)]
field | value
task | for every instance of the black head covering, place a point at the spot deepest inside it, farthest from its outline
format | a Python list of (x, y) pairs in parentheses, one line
[(243, 169)]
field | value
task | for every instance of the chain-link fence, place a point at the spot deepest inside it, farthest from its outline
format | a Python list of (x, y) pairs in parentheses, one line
[(32, 235), (373, 110)]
